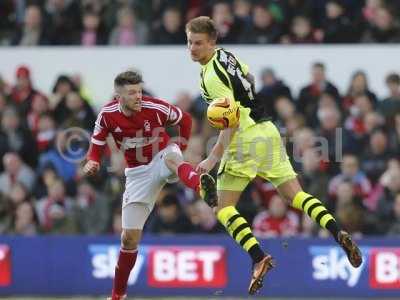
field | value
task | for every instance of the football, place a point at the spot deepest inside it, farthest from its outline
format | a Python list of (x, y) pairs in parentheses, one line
[(223, 113)]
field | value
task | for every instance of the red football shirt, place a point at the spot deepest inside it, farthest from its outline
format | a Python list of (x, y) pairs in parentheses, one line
[(140, 136)]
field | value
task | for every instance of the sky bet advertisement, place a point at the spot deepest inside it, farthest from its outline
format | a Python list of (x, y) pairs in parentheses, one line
[(196, 266)]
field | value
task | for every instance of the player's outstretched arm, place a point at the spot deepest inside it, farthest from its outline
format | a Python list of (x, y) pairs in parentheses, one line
[(224, 139)]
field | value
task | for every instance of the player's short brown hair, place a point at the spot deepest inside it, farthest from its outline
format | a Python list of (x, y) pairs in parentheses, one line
[(202, 24), (393, 78), (128, 77)]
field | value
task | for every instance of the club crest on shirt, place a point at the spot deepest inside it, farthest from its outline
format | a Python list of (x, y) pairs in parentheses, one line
[(147, 126)]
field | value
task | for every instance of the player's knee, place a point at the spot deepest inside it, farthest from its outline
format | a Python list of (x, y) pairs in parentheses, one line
[(129, 240), (173, 160)]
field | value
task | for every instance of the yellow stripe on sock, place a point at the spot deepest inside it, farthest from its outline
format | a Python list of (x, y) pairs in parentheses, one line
[(316, 212), (299, 199), (310, 203), (226, 213), (325, 219), (250, 243), (236, 224), (241, 234)]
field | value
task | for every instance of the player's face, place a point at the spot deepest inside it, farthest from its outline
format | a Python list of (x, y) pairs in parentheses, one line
[(130, 96), (201, 46)]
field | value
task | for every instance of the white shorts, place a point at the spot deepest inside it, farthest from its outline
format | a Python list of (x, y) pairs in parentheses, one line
[(144, 183)]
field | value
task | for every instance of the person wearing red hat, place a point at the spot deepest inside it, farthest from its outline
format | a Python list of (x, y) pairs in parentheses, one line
[(23, 92)]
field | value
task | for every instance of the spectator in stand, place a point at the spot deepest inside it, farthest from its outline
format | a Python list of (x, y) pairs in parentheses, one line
[(6, 214), (271, 89), (15, 138), (382, 28), (23, 91), (170, 218), (394, 135), (40, 106), (276, 221), (376, 155), (313, 177), (92, 209), (15, 171), (46, 177), (25, 221), (33, 32), (390, 187), (62, 87), (56, 211), (390, 106), (284, 109), (46, 132), (303, 139), (358, 86), (355, 122), (203, 218), (331, 137), (17, 195), (65, 21), (62, 157), (370, 10), (116, 226), (394, 228), (373, 120), (309, 95), (171, 29), (9, 17), (350, 171), (264, 29), (5, 89), (129, 31), (229, 28), (301, 32), (242, 11), (337, 27), (75, 112), (93, 32), (349, 211)]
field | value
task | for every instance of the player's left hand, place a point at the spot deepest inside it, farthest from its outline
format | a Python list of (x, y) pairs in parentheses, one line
[(205, 166), (91, 167)]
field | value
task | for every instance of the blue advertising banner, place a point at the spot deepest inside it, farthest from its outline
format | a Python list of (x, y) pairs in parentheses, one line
[(196, 266)]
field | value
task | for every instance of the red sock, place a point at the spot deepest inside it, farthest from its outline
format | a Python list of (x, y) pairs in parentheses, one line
[(189, 176), (126, 261)]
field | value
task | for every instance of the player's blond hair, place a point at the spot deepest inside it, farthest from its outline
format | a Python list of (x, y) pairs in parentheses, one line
[(202, 24)]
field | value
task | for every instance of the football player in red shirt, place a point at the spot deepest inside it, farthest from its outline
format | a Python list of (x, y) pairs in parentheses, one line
[(137, 123)]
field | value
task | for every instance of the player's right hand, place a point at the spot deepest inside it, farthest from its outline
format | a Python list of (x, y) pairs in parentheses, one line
[(205, 166), (91, 167)]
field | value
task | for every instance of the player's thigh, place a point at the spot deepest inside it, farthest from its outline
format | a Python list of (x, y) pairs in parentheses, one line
[(238, 167), (272, 159)]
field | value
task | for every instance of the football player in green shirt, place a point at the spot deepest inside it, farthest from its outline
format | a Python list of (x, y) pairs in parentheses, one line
[(253, 149)]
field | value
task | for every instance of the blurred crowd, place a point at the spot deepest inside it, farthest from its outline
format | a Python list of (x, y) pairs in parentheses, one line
[(344, 146), (134, 22)]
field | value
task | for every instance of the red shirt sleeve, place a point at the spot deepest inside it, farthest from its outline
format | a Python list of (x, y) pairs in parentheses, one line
[(98, 140), (184, 121)]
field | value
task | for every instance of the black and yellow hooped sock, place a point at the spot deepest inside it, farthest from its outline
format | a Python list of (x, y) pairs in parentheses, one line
[(240, 230), (316, 211)]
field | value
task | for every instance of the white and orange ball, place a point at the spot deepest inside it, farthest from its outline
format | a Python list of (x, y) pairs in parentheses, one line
[(223, 113)]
